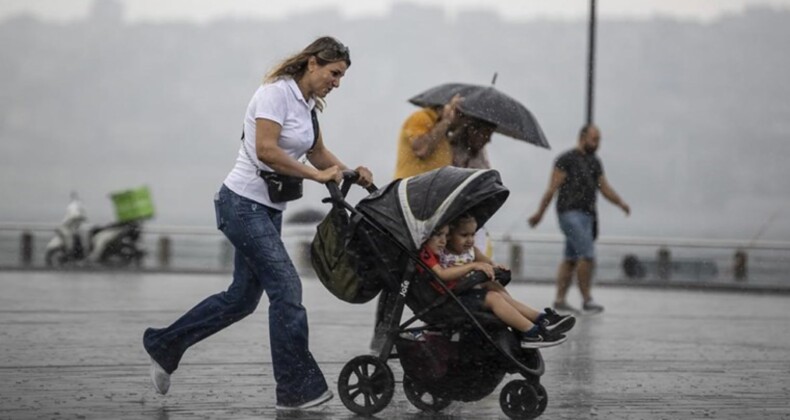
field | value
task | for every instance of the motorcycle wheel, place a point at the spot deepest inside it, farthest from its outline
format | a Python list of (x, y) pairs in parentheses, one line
[(56, 257), (120, 257)]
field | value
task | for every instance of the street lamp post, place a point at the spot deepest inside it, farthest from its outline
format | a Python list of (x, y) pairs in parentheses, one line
[(591, 64)]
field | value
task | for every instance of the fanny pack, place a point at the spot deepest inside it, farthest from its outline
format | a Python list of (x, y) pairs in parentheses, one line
[(281, 187)]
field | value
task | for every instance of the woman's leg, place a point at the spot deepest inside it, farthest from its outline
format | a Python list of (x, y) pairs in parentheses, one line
[(299, 379), (214, 313)]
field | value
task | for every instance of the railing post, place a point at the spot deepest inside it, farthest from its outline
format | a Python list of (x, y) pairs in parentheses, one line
[(739, 265), (164, 251), (26, 249), (516, 253), (664, 265)]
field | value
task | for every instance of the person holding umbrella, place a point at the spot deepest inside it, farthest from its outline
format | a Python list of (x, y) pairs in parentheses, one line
[(455, 123), (578, 175), (424, 141)]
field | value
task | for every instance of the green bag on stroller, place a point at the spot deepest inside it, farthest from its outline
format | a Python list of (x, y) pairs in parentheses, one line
[(335, 261)]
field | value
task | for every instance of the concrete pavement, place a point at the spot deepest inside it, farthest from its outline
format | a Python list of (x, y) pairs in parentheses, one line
[(70, 347)]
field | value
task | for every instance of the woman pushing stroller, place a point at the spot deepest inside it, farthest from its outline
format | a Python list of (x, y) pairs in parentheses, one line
[(451, 253)]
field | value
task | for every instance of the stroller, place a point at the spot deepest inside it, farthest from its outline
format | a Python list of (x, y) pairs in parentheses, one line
[(454, 354)]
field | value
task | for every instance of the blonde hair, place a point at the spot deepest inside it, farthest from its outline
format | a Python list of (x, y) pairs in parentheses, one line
[(325, 50)]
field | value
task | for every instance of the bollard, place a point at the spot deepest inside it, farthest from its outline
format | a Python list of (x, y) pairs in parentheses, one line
[(26, 249), (664, 263), (516, 253), (739, 265), (163, 252)]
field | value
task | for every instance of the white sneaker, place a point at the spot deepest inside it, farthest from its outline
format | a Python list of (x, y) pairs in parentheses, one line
[(326, 396), (159, 377)]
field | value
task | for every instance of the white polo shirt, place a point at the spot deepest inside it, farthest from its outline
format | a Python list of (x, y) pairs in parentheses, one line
[(282, 102)]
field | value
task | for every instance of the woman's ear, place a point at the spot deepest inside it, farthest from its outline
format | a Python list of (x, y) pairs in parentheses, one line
[(312, 64)]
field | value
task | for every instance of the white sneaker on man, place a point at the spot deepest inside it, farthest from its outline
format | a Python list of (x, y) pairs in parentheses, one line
[(326, 396), (159, 378)]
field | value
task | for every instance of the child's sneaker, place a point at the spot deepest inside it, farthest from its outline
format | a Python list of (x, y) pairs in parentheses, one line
[(592, 307), (554, 323), (565, 308), (541, 340)]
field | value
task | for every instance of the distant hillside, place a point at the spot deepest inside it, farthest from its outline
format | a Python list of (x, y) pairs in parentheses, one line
[(695, 117)]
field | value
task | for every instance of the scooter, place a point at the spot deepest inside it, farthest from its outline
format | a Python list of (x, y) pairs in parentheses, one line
[(113, 245)]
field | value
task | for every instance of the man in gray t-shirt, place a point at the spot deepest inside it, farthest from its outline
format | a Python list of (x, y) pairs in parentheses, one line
[(578, 175)]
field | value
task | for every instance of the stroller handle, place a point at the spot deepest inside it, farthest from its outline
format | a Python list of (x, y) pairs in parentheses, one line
[(338, 193)]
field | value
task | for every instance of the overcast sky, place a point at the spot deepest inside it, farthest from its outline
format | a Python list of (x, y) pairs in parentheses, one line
[(203, 10)]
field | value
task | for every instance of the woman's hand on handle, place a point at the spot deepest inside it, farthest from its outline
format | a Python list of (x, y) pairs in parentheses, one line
[(365, 176), (332, 173)]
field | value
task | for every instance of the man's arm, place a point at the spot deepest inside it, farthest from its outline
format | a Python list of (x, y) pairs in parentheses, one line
[(425, 144), (557, 179), (608, 192)]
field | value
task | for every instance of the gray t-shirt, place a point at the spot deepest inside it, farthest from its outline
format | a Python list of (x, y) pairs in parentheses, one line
[(579, 190)]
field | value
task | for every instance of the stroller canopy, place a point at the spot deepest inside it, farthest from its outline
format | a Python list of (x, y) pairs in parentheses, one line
[(411, 208)]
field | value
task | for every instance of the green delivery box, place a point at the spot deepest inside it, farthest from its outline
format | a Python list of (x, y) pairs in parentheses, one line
[(134, 204)]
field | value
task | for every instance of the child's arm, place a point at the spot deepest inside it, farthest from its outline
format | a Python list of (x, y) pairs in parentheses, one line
[(458, 271)]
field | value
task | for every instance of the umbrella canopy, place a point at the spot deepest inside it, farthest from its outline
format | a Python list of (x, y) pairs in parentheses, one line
[(488, 104)]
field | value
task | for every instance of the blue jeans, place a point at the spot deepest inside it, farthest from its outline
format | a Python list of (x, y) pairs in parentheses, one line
[(261, 264), (578, 229)]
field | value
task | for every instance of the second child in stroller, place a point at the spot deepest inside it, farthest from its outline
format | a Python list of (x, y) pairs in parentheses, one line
[(451, 253)]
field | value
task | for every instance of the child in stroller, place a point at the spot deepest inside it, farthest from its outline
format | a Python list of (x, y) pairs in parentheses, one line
[(451, 254)]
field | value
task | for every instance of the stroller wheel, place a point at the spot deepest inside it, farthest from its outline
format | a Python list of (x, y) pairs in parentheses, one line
[(421, 398), (520, 400), (366, 385), (543, 399)]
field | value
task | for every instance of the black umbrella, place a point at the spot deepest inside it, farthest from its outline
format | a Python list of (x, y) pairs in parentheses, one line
[(488, 104)]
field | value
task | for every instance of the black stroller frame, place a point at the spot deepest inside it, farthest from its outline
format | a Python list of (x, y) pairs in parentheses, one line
[(366, 383)]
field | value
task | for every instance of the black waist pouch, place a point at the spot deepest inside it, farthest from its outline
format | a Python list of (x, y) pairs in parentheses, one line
[(281, 187)]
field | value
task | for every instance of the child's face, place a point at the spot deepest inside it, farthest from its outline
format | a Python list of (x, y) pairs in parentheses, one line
[(438, 240), (462, 238)]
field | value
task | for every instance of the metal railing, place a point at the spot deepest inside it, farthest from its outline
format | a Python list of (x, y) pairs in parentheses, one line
[(626, 260), (655, 260)]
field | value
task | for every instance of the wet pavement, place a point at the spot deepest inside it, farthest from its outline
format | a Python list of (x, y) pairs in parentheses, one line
[(70, 347)]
